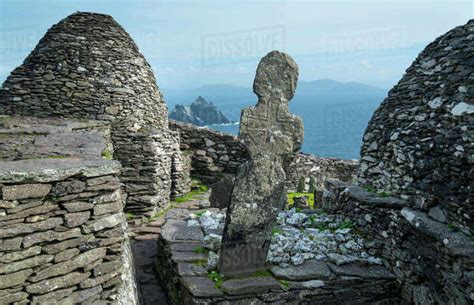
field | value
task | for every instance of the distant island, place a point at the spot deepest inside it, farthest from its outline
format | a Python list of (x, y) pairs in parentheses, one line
[(199, 113)]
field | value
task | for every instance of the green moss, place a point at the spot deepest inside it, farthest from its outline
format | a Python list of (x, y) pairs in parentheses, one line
[(310, 197), (107, 154), (56, 157), (284, 283), (199, 214), (453, 227), (216, 278), (201, 263), (276, 231), (129, 216), (200, 250), (369, 188), (262, 272), (158, 214), (346, 224), (191, 195), (384, 194)]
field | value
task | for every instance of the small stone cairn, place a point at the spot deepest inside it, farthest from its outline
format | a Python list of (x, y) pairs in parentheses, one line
[(272, 134)]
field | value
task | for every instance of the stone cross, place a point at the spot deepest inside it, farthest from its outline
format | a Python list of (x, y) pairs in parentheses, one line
[(272, 134)]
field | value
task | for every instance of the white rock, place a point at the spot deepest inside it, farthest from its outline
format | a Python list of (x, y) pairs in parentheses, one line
[(212, 242), (209, 142), (374, 260), (193, 223), (409, 215), (343, 231), (297, 259), (435, 103), (462, 108), (212, 260), (312, 284), (297, 219)]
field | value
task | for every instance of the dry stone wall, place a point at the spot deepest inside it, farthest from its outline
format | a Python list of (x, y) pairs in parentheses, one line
[(215, 155), (309, 166), (432, 260), (212, 153), (31, 137), (87, 66), (419, 142), (62, 231)]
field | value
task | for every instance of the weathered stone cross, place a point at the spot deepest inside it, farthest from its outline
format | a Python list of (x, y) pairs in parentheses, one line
[(272, 134)]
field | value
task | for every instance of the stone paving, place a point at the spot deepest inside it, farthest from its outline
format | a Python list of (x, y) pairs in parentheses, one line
[(183, 262), (144, 233)]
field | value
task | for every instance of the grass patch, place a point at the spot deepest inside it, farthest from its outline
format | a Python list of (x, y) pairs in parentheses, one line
[(203, 188), (56, 157), (276, 231), (200, 250), (107, 154), (198, 189), (216, 278), (369, 188), (199, 214), (384, 194), (310, 196), (346, 224)]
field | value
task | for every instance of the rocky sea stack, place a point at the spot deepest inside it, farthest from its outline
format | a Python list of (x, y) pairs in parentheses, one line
[(200, 113)]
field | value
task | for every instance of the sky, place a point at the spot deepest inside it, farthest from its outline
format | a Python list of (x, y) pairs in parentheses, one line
[(194, 43)]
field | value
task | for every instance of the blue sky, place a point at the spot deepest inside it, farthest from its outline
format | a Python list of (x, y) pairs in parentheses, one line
[(195, 43)]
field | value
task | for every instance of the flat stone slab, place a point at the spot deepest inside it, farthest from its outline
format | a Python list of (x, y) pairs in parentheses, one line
[(367, 272), (457, 243), (311, 269), (185, 246), (250, 285), (48, 170), (178, 213), (190, 269), (188, 257), (200, 286), (312, 284), (175, 230)]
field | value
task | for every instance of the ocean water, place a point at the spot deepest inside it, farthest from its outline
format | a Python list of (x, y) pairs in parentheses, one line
[(333, 124)]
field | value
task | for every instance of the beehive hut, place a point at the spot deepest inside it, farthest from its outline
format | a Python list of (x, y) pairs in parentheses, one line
[(87, 66), (419, 142)]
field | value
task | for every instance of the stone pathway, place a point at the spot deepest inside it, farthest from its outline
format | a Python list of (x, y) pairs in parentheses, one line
[(144, 234)]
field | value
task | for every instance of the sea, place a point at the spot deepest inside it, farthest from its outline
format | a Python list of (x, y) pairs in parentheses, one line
[(332, 127)]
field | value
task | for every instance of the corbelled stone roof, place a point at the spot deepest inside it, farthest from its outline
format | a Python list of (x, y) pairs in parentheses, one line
[(86, 66), (419, 142)]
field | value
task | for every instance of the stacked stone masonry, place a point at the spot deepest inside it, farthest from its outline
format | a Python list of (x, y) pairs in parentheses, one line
[(87, 66), (419, 142), (212, 153), (184, 274), (309, 166), (432, 261), (63, 234), (215, 154), (29, 137)]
